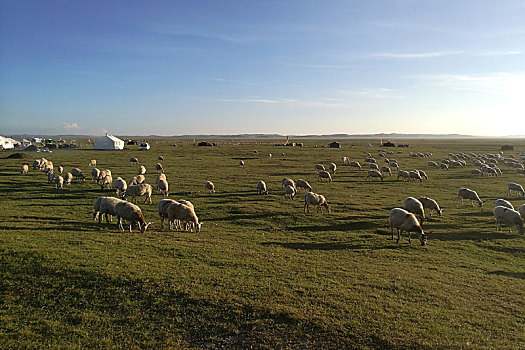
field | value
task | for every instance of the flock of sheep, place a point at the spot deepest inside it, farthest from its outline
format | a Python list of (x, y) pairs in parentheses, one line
[(181, 213)]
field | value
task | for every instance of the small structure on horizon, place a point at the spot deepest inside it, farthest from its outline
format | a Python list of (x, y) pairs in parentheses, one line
[(8, 143), (334, 144), (108, 142)]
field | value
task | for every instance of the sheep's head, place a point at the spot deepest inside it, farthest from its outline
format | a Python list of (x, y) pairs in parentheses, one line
[(423, 238), (144, 227)]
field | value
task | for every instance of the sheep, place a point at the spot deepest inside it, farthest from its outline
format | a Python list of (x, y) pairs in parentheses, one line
[(319, 167), (393, 164), (415, 175), (77, 173), (185, 214), (133, 160), (107, 181), (48, 168), (432, 165), (163, 210), (373, 166), (512, 186), (290, 190), (503, 203), (521, 210), (345, 160), (300, 183), (404, 174), (131, 213), (374, 173), (325, 175), (160, 158), (210, 186), (139, 191), (430, 204), (402, 220), (287, 182), (423, 174), (241, 164), (105, 206), (141, 170), (415, 207), (385, 169), (42, 163), (443, 166), (36, 164), (476, 172), (93, 163), (355, 165), (68, 178), (465, 193), (158, 168), (50, 177), (24, 169), (261, 187), (102, 174), (59, 182), (317, 200), (269, 155), (332, 167), (508, 217), (95, 174), (370, 160), (283, 155), (136, 180), (120, 186), (163, 187), (160, 177)]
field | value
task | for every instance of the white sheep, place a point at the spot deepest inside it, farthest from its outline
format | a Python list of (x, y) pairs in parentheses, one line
[(102, 174), (374, 173), (521, 210), (133, 160), (414, 206), (476, 172), (163, 187), (93, 163), (332, 167), (355, 165), (120, 186), (393, 164), (503, 203), (136, 180), (141, 170), (443, 166), (77, 173), (319, 167), (404, 174), (512, 186), (415, 175), (160, 158), (269, 155), (430, 204), (158, 168), (132, 213), (48, 168), (36, 164), (241, 163), (95, 174), (465, 193), (508, 217), (162, 209), (60, 169), (385, 169), (402, 220), (210, 186), (183, 213), (325, 175), (423, 174), (105, 206), (315, 199), (24, 169), (59, 182), (139, 191), (432, 165), (300, 183), (68, 178), (290, 191), (287, 182), (189, 225), (261, 187), (107, 181), (373, 166), (345, 160), (50, 177)]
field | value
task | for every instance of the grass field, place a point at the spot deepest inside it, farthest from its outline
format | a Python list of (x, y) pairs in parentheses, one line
[(261, 273)]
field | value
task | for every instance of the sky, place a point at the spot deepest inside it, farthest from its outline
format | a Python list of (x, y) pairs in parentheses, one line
[(287, 67)]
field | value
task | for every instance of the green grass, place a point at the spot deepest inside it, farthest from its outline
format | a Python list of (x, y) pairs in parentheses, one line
[(261, 273)]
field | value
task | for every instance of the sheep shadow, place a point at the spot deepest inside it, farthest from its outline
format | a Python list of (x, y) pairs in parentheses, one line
[(347, 226), (520, 275)]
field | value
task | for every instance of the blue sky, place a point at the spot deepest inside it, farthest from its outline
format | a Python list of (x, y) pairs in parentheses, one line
[(288, 67)]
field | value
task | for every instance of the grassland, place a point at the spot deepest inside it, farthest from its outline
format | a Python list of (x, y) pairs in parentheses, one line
[(261, 273)]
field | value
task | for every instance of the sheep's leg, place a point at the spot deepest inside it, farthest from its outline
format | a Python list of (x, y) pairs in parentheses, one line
[(398, 235), (391, 232), (409, 237), (161, 222), (119, 224)]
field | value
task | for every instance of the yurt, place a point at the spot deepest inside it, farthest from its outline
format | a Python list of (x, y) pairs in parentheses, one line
[(108, 142), (7, 143)]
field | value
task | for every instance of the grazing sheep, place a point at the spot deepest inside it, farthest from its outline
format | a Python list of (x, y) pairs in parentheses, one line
[(300, 183), (133, 160), (158, 168), (443, 166), (432, 165), (415, 175), (269, 155), (120, 186), (68, 178), (288, 182), (24, 169), (162, 185), (50, 177), (512, 186), (415, 207), (476, 172), (423, 174), (374, 173), (317, 200), (325, 175), (160, 158), (60, 169), (508, 217), (136, 180), (345, 160), (393, 164), (48, 168), (142, 170), (521, 210), (93, 163), (385, 169), (59, 182), (404, 174), (283, 155), (43, 163), (465, 193), (210, 186), (77, 173), (402, 220), (430, 204), (355, 165), (107, 181), (102, 175), (131, 213), (95, 174), (332, 167), (241, 164), (319, 167), (36, 164), (163, 210), (105, 206), (139, 191), (290, 190), (373, 166), (520, 171), (184, 214), (503, 203), (261, 187)]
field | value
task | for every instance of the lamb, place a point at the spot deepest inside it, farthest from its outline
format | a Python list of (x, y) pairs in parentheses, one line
[(404, 174), (332, 167), (241, 164), (95, 174), (345, 160), (512, 186), (105, 206), (415, 175), (136, 180), (210, 186), (355, 165), (385, 169), (325, 175), (319, 167), (163, 187), (290, 190), (374, 173), (503, 203), (261, 187), (131, 213), (508, 217), (77, 173), (59, 182), (158, 168), (163, 210), (68, 178), (415, 207), (24, 169), (142, 170), (133, 160), (93, 163), (120, 186), (139, 191), (402, 220), (315, 199), (183, 213), (106, 181), (288, 182), (300, 183), (465, 193), (430, 204)]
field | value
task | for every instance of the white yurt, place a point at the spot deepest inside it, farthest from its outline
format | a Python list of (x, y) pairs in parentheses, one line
[(108, 142), (7, 143)]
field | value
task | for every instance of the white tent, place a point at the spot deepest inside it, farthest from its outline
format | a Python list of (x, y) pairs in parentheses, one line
[(7, 143), (108, 142)]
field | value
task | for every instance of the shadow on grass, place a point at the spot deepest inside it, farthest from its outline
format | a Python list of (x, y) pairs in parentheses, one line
[(138, 311), (325, 246), (520, 275), (347, 226)]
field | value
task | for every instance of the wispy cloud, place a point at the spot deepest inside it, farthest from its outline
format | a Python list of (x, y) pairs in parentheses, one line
[(498, 53), (71, 126), (415, 55), (323, 103), (371, 93)]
